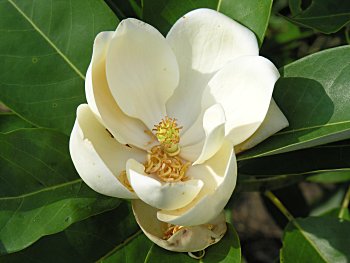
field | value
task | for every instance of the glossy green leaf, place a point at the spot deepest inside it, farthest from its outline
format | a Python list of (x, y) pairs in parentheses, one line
[(313, 94), (326, 158), (133, 249), (254, 14), (45, 48), (40, 192), (249, 183), (85, 241), (10, 122), (324, 164), (327, 16), (335, 213), (315, 240), (125, 9), (140, 249)]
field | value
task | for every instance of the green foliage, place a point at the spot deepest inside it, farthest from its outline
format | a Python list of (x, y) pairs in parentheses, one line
[(40, 193), (45, 49), (327, 16), (86, 241), (323, 239), (10, 122)]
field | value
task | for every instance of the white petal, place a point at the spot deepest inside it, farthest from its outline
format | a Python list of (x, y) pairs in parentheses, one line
[(203, 41), (210, 142), (187, 239), (124, 128), (219, 175), (273, 122), (244, 89), (99, 158), (158, 194), (142, 71)]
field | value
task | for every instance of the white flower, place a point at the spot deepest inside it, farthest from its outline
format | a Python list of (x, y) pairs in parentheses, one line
[(208, 76)]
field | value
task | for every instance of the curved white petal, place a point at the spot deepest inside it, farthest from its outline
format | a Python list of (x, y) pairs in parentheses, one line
[(187, 239), (213, 125), (158, 194), (124, 128), (99, 158), (244, 89), (142, 71), (203, 41), (273, 122), (219, 175)]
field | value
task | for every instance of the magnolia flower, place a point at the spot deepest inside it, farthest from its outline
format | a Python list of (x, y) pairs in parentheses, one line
[(163, 116)]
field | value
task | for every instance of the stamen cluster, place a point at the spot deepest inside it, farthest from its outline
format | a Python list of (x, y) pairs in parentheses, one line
[(168, 168), (168, 134), (124, 180), (171, 230)]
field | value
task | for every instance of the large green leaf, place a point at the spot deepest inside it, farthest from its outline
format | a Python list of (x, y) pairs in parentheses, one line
[(140, 249), (85, 241), (327, 16), (45, 48), (10, 122), (326, 163), (315, 240), (313, 94), (40, 192), (133, 249), (254, 14), (325, 158)]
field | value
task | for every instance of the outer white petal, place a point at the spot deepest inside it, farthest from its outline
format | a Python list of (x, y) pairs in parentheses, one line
[(219, 175), (158, 194), (124, 128), (213, 125), (203, 41), (187, 239), (142, 71), (244, 89), (273, 122), (98, 157)]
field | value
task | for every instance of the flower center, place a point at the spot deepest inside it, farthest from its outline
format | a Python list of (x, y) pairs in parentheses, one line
[(163, 159), (168, 135)]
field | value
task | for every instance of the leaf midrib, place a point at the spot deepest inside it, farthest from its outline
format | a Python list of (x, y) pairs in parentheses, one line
[(311, 127), (36, 28), (54, 187)]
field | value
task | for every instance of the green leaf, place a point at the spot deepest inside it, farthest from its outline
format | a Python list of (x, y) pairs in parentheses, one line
[(247, 183), (327, 16), (253, 14), (313, 94), (45, 49), (335, 213), (140, 249), (85, 241), (321, 159), (125, 9), (324, 164), (10, 122), (40, 192), (133, 249), (316, 239)]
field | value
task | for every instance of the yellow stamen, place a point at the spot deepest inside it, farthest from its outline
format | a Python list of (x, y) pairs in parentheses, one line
[(124, 180), (171, 230), (168, 168), (168, 135)]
